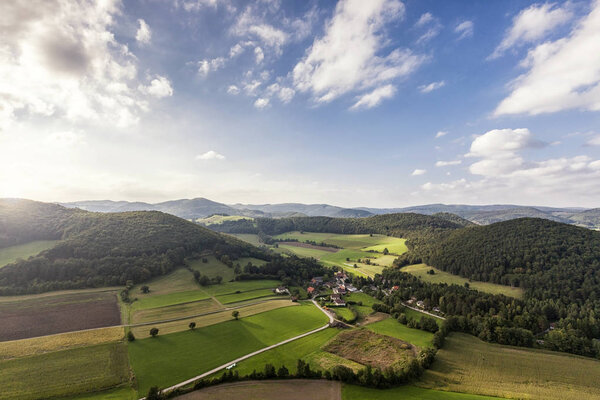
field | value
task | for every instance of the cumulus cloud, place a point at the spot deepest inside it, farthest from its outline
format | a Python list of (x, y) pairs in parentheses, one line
[(233, 89), (464, 29), (418, 172), (207, 66), (375, 97), (431, 86), (594, 141), (159, 87), (261, 103), (440, 134), (562, 75), (424, 19), (143, 34), (348, 57), (532, 24), (210, 155), (286, 94), (448, 163), (252, 25), (259, 56), (61, 59)]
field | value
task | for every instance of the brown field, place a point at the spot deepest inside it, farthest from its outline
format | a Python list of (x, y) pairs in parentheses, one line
[(293, 389), (369, 348), (311, 246), (57, 314)]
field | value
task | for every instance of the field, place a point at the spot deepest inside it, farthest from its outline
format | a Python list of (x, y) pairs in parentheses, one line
[(64, 373), (46, 315), (210, 319), (366, 300), (245, 260), (352, 392), (62, 341), (176, 311), (24, 251), (343, 312), (212, 268), (169, 359), (393, 328), (219, 219), (470, 365), (420, 270), (346, 241), (120, 393), (293, 389), (249, 238)]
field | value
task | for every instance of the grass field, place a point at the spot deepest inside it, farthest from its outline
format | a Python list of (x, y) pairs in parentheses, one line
[(393, 328), (249, 238), (346, 241), (420, 270), (303, 251), (63, 341), (240, 286), (120, 393), (293, 389), (352, 392), (64, 373), (175, 311), (169, 359), (245, 296), (165, 300), (219, 219), (180, 280), (243, 261), (343, 312), (212, 268), (413, 314), (24, 251), (366, 300), (210, 319), (470, 365)]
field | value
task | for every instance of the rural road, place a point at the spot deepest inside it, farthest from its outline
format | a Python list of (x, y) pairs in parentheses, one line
[(423, 311), (217, 369)]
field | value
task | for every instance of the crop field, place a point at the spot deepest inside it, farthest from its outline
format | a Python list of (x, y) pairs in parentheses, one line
[(61, 341), (120, 393), (169, 359), (47, 315), (470, 365), (170, 299), (210, 319), (24, 251), (64, 373), (420, 270), (293, 389), (393, 328), (353, 392), (175, 311), (219, 219), (212, 268)]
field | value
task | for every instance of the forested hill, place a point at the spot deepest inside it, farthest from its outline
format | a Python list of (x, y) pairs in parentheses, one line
[(101, 249), (551, 260), (401, 225)]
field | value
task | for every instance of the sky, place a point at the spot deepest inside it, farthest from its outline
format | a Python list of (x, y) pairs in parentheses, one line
[(379, 103)]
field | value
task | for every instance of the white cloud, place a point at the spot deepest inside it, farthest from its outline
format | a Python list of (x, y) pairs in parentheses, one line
[(258, 55), (347, 58), (236, 50), (143, 34), (207, 66), (464, 29), (434, 27), (251, 87), (197, 5), (532, 24), (210, 155), (261, 103), (249, 24), (232, 89), (286, 94), (431, 86), (440, 134), (375, 97), (448, 163), (418, 172), (563, 75), (159, 87), (594, 141), (424, 19)]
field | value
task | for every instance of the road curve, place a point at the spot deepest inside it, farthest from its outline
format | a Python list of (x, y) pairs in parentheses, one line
[(217, 369)]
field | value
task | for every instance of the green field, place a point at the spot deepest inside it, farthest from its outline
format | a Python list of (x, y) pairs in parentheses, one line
[(219, 219), (240, 286), (414, 314), (343, 312), (420, 270), (348, 241), (352, 392), (24, 251), (393, 328), (65, 373), (175, 311), (169, 299), (303, 251), (249, 238), (470, 365), (121, 393), (366, 300), (212, 268), (169, 359), (243, 261)]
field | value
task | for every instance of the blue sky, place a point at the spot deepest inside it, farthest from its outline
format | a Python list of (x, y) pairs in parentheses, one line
[(381, 103)]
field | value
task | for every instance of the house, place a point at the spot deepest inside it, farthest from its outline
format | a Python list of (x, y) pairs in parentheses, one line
[(339, 290), (395, 288), (310, 290), (420, 304), (282, 290), (317, 281), (411, 300), (351, 288), (339, 303), (436, 309)]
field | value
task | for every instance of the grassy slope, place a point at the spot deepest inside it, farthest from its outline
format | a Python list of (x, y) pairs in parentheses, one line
[(169, 359), (248, 238), (24, 251), (470, 365), (65, 372), (352, 392), (212, 268), (393, 328), (176, 311), (219, 219), (420, 270)]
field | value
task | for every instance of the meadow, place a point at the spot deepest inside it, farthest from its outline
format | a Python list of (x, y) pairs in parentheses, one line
[(393, 328), (169, 359), (420, 270), (13, 253), (249, 238), (293, 389), (469, 365), (176, 311), (212, 268), (64, 373), (219, 219), (353, 392)]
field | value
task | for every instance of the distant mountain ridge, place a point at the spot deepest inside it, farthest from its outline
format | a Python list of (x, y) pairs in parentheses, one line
[(193, 209)]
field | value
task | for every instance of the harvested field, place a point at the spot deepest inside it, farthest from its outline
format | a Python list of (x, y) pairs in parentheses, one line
[(311, 246), (61, 341), (58, 314), (369, 348), (293, 389)]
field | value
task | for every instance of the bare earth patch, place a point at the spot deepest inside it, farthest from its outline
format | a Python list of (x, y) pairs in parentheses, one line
[(369, 348), (376, 317), (311, 246), (292, 389)]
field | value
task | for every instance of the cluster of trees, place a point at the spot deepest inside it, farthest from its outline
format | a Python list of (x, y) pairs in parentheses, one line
[(290, 270)]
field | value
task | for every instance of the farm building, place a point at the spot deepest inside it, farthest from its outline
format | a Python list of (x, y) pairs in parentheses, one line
[(282, 290), (310, 290)]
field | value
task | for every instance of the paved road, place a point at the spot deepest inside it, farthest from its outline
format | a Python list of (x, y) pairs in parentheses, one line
[(217, 369)]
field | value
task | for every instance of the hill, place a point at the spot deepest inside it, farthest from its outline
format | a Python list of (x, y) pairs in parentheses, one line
[(99, 249), (589, 218)]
